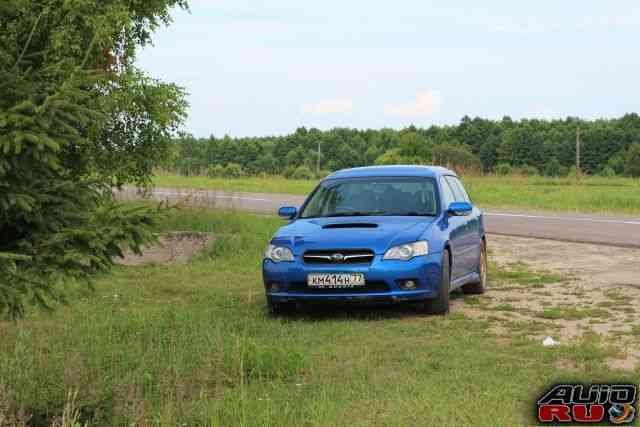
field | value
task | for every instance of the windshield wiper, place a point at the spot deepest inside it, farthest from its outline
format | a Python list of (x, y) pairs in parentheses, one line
[(414, 213), (354, 213)]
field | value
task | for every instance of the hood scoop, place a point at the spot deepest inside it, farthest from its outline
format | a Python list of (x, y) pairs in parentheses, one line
[(350, 225)]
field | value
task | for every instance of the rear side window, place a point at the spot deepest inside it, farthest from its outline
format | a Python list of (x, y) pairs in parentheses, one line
[(459, 192)]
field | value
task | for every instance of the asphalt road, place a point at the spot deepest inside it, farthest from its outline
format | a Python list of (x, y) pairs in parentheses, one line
[(607, 230)]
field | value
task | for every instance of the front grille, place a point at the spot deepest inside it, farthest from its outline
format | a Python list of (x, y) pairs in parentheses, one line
[(339, 256), (370, 286)]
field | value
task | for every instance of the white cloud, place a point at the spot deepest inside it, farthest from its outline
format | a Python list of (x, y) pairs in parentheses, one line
[(337, 105), (427, 103)]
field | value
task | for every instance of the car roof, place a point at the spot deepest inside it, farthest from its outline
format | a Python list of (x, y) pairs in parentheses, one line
[(392, 170)]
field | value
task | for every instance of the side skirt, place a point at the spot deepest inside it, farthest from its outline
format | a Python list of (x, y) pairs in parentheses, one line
[(461, 281)]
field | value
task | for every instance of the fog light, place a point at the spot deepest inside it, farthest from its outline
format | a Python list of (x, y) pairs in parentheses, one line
[(408, 284), (273, 287)]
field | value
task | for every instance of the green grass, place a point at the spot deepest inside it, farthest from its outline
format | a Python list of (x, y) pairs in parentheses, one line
[(573, 313), (520, 274), (594, 195), (249, 184), (192, 345)]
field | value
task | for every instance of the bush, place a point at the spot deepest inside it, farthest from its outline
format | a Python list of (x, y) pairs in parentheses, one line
[(392, 157), (553, 168), (607, 172), (288, 172), (215, 171), (302, 172), (528, 170), (457, 157), (503, 169), (322, 174), (632, 161), (233, 170), (617, 162)]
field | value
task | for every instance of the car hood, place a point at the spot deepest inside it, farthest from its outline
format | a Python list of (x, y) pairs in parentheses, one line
[(371, 232)]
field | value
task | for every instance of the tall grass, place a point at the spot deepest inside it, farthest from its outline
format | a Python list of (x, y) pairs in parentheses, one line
[(192, 345), (270, 184), (593, 195)]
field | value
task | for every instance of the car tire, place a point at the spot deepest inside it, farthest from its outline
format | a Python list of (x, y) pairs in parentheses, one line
[(440, 304), (479, 287)]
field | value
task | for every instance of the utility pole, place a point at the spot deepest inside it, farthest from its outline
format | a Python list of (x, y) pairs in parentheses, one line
[(578, 171)]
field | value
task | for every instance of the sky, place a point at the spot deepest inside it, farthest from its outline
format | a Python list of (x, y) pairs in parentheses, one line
[(258, 68)]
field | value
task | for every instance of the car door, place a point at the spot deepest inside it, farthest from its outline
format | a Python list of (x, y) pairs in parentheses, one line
[(471, 234), (455, 224)]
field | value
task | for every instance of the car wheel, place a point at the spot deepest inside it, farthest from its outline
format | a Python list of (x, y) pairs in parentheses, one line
[(440, 304), (479, 286)]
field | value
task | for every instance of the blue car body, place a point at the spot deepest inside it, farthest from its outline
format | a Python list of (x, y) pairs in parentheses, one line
[(462, 235)]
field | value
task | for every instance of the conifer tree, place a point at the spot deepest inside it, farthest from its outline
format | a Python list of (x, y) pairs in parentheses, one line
[(76, 119)]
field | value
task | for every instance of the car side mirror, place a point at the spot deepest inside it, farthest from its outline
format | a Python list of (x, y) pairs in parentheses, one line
[(459, 209), (287, 212)]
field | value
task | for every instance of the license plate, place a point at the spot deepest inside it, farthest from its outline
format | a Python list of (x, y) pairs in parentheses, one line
[(335, 280)]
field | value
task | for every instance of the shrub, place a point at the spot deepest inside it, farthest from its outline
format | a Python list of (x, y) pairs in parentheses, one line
[(632, 161), (457, 157), (322, 174), (553, 168), (528, 170), (391, 157), (302, 172), (503, 169), (608, 172), (233, 170), (215, 171), (617, 162), (288, 171)]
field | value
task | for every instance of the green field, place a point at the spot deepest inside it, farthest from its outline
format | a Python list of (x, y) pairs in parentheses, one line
[(193, 345), (594, 195)]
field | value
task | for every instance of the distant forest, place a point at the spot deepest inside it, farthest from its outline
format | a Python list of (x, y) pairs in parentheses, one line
[(531, 147)]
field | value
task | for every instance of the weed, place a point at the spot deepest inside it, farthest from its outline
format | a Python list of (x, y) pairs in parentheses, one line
[(572, 313), (520, 274)]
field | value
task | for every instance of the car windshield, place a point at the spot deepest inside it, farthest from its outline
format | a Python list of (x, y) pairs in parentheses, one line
[(409, 196)]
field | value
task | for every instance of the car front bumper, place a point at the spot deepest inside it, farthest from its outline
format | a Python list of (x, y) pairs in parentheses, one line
[(382, 279)]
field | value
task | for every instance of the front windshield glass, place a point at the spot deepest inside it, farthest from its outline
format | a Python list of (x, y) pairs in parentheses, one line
[(409, 196)]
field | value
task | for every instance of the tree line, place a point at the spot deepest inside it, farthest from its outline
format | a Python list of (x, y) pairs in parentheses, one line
[(475, 145)]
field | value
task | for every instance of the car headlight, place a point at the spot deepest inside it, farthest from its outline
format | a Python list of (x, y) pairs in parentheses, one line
[(278, 253), (407, 251)]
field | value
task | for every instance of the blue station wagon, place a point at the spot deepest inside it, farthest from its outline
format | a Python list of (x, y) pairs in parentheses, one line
[(380, 234)]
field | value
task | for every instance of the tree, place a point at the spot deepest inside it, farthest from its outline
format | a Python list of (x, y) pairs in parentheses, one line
[(393, 157), (456, 157), (632, 164), (553, 168), (517, 143), (414, 145), (302, 172), (76, 118)]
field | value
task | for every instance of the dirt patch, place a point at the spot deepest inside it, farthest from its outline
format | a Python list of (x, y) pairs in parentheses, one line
[(603, 266), (593, 289), (175, 247)]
